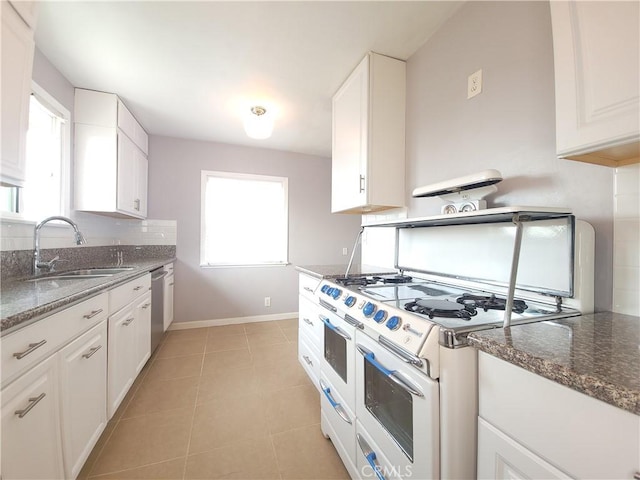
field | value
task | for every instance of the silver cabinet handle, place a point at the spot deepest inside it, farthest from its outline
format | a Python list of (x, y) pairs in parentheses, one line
[(171, 284), (127, 322), (32, 347), (308, 289), (136, 204), (91, 352), (92, 314), (135, 289), (146, 305), (307, 321), (336, 406), (308, 360), (32, 403), (361, 183)]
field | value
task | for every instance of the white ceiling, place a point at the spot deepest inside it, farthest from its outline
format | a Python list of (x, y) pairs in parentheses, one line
[(192, 69)]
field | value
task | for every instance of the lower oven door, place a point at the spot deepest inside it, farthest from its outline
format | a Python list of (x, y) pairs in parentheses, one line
[(398, 407), (338, 350)]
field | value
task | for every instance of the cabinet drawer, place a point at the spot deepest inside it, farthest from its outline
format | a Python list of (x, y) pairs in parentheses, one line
[(127, 293), (309, 359), (308, 285), (309, 322), (29, 345)]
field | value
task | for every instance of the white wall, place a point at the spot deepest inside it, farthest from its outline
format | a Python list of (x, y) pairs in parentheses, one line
[(99, 230), (510, 126), (315, 235), (626, 234)]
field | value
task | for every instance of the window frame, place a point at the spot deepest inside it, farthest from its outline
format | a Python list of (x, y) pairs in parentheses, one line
[(204, 176), (47, 100)]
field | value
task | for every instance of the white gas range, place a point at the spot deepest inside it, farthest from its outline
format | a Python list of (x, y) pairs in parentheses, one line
[(413, 378)]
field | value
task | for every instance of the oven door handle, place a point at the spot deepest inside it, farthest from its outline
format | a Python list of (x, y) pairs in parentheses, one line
[(370, 455), (338, 330), (390, 374), (336, 406)]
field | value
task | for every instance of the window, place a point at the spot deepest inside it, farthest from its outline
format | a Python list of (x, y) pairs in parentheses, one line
[(244, 219), (46, 187)]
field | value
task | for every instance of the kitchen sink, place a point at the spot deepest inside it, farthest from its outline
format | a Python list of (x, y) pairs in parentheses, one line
[(82, 274)]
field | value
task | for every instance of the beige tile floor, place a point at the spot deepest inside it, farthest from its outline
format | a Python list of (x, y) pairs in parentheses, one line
[(222, 402)]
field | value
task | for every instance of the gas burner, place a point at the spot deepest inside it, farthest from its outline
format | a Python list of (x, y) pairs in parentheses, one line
[(393, 278), (490, 302), (441, 308), (346, 281)]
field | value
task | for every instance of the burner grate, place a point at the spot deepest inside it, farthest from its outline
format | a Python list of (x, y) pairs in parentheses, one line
[(393, 278), (347, 281), (441, 308), (490, 302)]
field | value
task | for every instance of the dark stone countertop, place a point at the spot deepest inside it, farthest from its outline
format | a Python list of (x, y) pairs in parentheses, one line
[(596, 354), (22, 303), (338, 271)]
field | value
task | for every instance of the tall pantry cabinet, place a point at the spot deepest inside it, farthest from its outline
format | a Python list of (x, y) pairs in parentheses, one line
[(111, 156)]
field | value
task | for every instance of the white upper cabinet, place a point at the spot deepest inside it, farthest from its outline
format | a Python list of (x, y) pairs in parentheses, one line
[(17, 62), (597, 53), (111, 156), (368, 157)]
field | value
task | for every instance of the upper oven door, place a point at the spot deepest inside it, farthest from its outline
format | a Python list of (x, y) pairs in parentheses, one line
[(399, 407), (338, 352)]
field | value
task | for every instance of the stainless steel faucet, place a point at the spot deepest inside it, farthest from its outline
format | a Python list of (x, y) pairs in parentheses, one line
[(39, 265)]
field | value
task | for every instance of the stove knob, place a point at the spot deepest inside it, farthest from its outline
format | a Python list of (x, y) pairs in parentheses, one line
[(324, 288), (336, 293), (394, 323), (350, 301), (380, 316), (328, 291), (368, 309)]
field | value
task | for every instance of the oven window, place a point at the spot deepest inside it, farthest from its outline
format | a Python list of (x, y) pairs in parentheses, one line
[(391, 406), (335, 352)]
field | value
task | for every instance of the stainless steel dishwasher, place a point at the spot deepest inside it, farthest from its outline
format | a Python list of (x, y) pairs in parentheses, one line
[(157, 306)]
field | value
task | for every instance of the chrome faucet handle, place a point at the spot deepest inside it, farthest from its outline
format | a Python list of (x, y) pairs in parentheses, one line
[(51, 264)]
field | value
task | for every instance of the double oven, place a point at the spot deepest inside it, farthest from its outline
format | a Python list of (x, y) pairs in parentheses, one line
[(398, 383)]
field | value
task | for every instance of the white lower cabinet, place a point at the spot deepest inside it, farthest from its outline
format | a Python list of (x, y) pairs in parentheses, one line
[(532, 427), (31, 443), (169, 281), (502, 458), (142, 313), (129, 338), (83, 393)]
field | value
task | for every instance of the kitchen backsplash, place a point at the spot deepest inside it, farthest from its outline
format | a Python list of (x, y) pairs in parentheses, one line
[(626, 237), (98, 230)]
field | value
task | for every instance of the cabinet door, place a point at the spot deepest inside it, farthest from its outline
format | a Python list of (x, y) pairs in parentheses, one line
[(502, 458), (122, 357), (83, 393), (597, 54), (349, 149), (127, 173), (168, 300), (31, 444), (143, 331), (141, 181), (17, 61)]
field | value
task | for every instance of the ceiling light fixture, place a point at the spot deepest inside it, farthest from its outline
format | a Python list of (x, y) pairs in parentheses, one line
[(258, 124)]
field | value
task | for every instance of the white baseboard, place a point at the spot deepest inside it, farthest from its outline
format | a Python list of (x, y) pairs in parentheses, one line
[(232, 321)]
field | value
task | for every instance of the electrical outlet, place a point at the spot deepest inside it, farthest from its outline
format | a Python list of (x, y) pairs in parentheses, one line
[(474, 84), (345, 251), (267, 301)]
